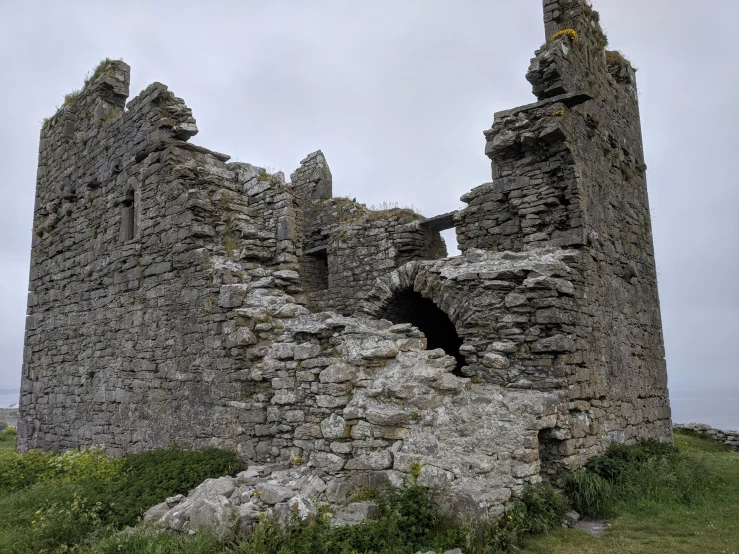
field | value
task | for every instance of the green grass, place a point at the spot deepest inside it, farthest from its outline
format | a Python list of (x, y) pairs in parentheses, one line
[(80, 499), (707, 524), (659, 499)]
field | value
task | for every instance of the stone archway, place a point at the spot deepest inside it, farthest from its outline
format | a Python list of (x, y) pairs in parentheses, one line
[(408, 306), (424, 299)]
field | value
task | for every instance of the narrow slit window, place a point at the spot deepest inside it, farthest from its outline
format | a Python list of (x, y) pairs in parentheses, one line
[(128, 219)]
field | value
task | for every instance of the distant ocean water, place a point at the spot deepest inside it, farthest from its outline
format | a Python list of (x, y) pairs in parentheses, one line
[(715, 406), (8, 397)]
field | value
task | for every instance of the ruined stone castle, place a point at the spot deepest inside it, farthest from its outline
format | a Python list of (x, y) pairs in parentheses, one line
[(177, 297)]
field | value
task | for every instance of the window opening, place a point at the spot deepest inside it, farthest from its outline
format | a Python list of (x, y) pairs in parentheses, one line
[(314, 270), (128, 216)]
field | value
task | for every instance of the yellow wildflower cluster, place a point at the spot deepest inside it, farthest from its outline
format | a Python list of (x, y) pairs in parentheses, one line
[(558, 113), (565, 33)]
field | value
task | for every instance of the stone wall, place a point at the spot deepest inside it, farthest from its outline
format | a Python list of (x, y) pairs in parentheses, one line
[(729, 438), (127, 218), (368, 247)]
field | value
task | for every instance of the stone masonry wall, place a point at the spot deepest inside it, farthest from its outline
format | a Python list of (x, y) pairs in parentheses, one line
[(729, 438), (115, 321), (362, 250)]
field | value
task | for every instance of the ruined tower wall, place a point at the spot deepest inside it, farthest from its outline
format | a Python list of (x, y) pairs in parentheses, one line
[(120, 344), (569, 172), (363, 250), (163, 310)]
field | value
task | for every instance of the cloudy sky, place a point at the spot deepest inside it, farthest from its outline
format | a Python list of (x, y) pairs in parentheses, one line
[(397, 93)]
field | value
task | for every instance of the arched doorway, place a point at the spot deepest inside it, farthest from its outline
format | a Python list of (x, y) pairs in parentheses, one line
[(408, 306)]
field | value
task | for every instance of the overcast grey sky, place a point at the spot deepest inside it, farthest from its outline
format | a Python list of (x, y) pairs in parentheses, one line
[(397, 93)]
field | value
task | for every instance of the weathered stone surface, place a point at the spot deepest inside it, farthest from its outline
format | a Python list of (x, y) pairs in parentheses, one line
[(272, 494), (155, 513), (223, 486), (213, 514), (354, 513), (334, 427)]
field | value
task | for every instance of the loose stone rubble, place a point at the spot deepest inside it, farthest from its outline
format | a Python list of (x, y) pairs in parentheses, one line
[(175, 296), (729, 438), (275, 492)]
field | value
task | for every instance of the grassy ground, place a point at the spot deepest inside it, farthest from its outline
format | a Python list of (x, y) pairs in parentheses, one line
[(707, 527), (658, 501)]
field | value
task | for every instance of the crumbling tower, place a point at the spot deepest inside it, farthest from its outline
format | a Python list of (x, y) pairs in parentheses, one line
[(569, 172), (178, 297)]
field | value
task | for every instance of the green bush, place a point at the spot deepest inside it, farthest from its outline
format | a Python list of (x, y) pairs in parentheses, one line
[(64, 525), (82, 464), (18, 471), (147, 478), (82, 497), (8, 434)]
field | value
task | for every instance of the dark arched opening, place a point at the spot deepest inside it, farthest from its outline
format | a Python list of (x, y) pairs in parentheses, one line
[(408, 306)]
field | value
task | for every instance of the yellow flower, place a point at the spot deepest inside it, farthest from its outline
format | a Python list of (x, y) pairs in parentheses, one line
[(510, 517), (565, 33), (558, 113), (38, 512), (33, 522), (41, 518)]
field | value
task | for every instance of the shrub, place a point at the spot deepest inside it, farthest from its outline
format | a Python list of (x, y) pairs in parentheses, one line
[(637, 475), (571, 33), (64, 525), (8, 434), (18, 471), (86, 463), (147, 478)]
